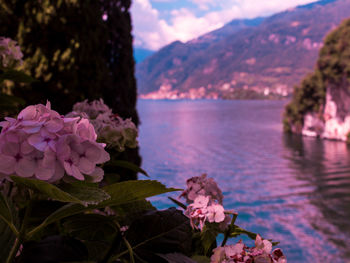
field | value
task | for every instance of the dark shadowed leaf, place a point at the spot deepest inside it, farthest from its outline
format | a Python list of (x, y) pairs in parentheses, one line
[(128, 165), (53, 249), (160, 232), (74, 194), (121, 193), (16, 76), (7, 236), (176, 258), (5, 211), (97, 232)]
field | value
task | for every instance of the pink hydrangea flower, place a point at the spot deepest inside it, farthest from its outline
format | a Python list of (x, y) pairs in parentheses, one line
[(42, 144), (202, 210), (201, 185), (238, 252), (110, 128), (10, 53)]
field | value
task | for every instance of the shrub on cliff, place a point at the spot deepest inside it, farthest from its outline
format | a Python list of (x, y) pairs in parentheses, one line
[(332, 69)]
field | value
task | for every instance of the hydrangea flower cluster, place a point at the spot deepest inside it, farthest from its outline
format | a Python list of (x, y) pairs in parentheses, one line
[(261, 253), (10, 53), (205, 202), (42, 144), (110, 128), (201, 185)]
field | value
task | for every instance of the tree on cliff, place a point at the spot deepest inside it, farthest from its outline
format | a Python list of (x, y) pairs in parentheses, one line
[(332, 71), (76, 49)]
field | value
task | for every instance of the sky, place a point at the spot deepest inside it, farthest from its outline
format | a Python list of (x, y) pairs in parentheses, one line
[(157, 23)]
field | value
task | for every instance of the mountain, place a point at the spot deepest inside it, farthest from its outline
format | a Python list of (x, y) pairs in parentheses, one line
[(320, 104), (257, 58), (140, 54)]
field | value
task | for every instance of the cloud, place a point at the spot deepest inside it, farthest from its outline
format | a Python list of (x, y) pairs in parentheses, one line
[(152, 32)]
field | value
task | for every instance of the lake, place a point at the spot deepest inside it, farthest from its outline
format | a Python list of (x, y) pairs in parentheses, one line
[(291, 189)]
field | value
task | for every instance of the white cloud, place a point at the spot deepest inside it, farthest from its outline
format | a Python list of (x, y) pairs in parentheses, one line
[(152, 32)]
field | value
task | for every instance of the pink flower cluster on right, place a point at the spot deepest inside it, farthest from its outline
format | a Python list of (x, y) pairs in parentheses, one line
[(42, 144), (205, 202), (240, 253), (110, 128)]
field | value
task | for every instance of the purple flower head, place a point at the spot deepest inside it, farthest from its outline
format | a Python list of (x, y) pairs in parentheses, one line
[(201, 185), (42, 144), (110, 128)]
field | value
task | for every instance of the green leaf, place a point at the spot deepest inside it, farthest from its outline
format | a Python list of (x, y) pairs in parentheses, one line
[(121, 193), (201, 259), (208, 238), (87, 194), (97, 232), (17, 76), (160, 232), (128, 165), (83, 195), (130, 191)]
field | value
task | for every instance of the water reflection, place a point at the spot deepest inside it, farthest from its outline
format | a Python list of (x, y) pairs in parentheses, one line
[(292, 189), (325, 166)]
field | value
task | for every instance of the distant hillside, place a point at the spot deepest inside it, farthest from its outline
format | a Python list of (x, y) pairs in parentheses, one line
[(140, 54), (244, 59)]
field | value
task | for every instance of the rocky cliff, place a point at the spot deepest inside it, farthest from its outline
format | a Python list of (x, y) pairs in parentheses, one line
[(321, 104)]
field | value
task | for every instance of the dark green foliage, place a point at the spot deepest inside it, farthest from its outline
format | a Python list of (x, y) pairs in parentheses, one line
[(166, 231), (332, 70), (53, 249)]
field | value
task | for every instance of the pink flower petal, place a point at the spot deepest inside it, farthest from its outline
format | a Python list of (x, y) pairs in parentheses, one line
[(11, 148), (77, 174), (44, 173), (85, 166), (54, 125), (25, 167), (37, 141), (7, 164)]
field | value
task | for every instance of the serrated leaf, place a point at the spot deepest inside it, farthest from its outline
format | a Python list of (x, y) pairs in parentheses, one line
[(45, 188), (163, 232), (130, 191), (87, 194), (121, 193), (81, 195), (128, 165)]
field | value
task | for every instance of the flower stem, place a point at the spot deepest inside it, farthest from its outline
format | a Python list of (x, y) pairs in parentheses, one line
[(21, 236), (227, 233), (13, 251)]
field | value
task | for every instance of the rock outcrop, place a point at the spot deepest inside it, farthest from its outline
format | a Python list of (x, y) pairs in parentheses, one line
[(321, 104)]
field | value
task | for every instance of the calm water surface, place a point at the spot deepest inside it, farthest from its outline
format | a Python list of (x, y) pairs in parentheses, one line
[(291, 189)]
